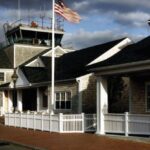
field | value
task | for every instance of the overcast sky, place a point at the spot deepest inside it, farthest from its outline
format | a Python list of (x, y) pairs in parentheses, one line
[(102, 20)]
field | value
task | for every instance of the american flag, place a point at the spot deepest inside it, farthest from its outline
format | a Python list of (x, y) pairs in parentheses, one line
[(66, 12)]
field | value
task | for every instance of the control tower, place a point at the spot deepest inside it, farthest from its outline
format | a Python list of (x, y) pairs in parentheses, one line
[(27, 38), (33, 32)]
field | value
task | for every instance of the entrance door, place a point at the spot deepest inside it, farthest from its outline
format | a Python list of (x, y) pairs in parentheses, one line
[(29, 99)]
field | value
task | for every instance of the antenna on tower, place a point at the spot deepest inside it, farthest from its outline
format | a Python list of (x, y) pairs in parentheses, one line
[(42, 15), (19, 14)]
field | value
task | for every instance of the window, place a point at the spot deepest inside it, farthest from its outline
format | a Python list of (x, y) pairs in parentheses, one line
[(63, 100), (1, 76), (148, 97)]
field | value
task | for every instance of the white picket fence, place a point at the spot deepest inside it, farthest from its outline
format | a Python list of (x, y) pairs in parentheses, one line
[(134, 124), (74, 123)]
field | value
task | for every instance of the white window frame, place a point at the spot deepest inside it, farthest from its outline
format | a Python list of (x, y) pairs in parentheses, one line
[(146, 97), (60, 96)]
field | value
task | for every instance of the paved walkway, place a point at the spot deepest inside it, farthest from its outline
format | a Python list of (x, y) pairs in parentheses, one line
[(54, 141)]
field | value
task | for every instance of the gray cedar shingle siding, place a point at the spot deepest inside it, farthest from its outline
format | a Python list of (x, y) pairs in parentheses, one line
[(4, 61)]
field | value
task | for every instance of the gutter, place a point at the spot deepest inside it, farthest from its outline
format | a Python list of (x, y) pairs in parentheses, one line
[(47, 82), (144, 64), (36, 84)]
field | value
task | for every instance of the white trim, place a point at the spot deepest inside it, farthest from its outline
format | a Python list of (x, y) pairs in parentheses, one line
[(19, 100), (34, 62), (6, 70), (102, 104), (37, 46), (56, 48), (111, 52), (38, 100), (79, 81)]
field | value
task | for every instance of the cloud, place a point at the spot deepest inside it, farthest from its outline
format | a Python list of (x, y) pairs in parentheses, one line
[(137, 19), (82, 39), (126, 13)]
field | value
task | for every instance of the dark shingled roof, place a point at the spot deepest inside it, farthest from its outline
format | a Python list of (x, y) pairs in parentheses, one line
[(68, 66), (139, 51), (35, 74), (4, 86), (4, 61)]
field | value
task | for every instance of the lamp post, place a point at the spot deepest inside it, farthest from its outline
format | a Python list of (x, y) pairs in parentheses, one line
[(14, 78)]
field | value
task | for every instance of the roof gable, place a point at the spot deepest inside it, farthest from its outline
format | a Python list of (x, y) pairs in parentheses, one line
[(68, 66), (111, 52), (136, 52)]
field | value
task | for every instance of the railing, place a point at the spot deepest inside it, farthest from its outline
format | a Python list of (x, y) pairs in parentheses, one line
[(45, 23), (133, 124), (72, 123)]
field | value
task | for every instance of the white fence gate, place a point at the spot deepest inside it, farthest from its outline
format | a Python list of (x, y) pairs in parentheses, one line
[(77, 123), (90, 122), (127, 124)]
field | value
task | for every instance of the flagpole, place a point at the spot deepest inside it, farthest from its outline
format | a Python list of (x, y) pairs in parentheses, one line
[(53, 59)]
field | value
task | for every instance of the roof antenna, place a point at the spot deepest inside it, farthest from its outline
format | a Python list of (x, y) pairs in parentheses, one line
[(19, 15), (42, 15)]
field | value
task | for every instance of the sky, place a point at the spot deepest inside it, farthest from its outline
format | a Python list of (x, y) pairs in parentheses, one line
[(102, 20)]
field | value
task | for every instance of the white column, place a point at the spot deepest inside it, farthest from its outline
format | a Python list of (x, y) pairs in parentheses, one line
[(130, 95), (102, 103), (3, 104), (38, 100), (50, 106), (80, 95), (10, 102), (19, 100)]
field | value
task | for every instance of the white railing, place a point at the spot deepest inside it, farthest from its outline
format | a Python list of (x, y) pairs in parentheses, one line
[(72, 123), (134, 124)]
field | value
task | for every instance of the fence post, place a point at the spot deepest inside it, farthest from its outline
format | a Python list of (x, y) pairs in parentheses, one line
[(34, 123), (126, 123), (42, 121), (14, 116), (8, 119), (60, 122), (83, 122), (20, 119), (49, 122), (27, 119)]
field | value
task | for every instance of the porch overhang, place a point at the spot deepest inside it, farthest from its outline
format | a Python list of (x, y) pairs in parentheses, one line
[(126, 68), (6, 86)]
